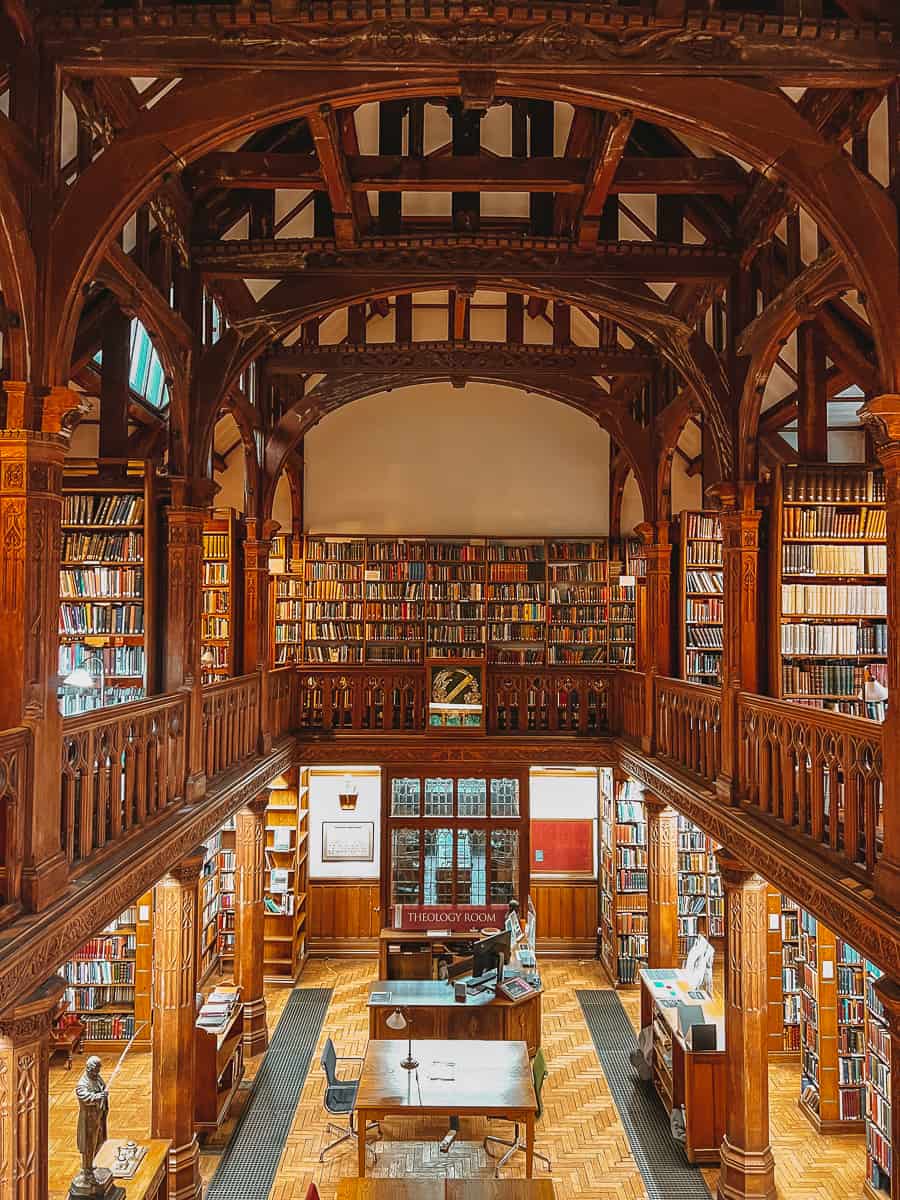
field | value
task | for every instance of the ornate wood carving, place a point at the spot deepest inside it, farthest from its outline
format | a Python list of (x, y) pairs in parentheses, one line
[(662, 882), (174, 977), (249, 919), (748, 1168)]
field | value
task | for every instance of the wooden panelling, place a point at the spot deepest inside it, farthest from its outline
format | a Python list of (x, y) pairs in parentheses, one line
[(567, 915), (344, 916)]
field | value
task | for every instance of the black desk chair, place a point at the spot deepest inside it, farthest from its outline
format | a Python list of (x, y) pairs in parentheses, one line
[(339, 1101)]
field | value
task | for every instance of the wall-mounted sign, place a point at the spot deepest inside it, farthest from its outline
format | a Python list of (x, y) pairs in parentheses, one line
[(452, 917), (348, 841)]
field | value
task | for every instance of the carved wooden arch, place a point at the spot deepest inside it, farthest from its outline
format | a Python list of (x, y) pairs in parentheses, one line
[(576, 391), (617, 480), (764, 337), (252, 469), (758, 124), (18, 269), (295, 300), (670, 425)]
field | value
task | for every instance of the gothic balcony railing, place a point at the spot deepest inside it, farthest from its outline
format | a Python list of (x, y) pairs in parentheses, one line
[(631, 704), (231, 723), (331, 699), (689, 726), (282, 700), (819, 773), (15, 792), (549, 700), (121, 768)]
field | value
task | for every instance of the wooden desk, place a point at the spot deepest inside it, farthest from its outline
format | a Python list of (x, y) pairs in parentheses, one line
[(419, 966), (150, 1181), (436, 1014), (446, 1189), (682, 1076), (490, 1079)]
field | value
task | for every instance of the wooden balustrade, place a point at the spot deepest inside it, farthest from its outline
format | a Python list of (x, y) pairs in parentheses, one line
[(121, 767), (820, 773), (282, 700), (630, 718), (368, 698), (689, 725), (15, 790), (544, 700), (231, 716)]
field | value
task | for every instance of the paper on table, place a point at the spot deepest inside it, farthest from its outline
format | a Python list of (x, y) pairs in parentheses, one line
[(443, 1072)]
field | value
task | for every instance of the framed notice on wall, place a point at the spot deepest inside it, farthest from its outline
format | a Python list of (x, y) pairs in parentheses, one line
[(348, 841), (563, 847)]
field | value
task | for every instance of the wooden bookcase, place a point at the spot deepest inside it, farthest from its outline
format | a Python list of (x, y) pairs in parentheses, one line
[(286, 898), (106, 588), (102, 982), (623, 882), (578, 583), (829, 592), (333, 613), (455, 612), (517, 632), (701, 597), (394, 600), (783, 988), (219, 595), (622, 609), (701, 903), (880, 1167), (226, 867), (832, 1029), (208, 910)]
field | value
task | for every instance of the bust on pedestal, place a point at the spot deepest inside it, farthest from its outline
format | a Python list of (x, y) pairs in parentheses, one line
[(93, 1183)]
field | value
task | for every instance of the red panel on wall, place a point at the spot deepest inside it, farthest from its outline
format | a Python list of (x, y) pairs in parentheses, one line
[(559, 847)]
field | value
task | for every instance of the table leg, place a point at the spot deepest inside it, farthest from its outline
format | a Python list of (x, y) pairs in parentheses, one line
[(529, 1146), (362, 1122)]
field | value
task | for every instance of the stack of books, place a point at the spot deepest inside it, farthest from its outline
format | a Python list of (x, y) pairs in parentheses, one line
[(219, 1007)]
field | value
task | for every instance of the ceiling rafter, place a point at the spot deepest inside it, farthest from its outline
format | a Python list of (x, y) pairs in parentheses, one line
[(327, 137), (615, 130)]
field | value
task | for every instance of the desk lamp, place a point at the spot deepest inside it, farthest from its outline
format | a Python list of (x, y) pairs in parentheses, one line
[(398, 1021), (82, 679)]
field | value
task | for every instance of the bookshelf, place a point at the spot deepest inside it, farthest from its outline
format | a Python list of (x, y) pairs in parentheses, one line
[(578, 590), (333, 611), (208, 909), (783, 989), (623, 882), (829, 593), (287, 881), (622, 609), (516, 588), (101, 982), (701, 901), (455, 599), (394, 600), (701, 597), (226, 868), (219, 596), (879, 1152), (103, 599), (832, 1029)]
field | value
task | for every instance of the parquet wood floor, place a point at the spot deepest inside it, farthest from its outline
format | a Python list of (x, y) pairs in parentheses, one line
[(580, 1127)]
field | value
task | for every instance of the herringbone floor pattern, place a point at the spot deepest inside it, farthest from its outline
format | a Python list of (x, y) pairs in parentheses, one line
[(580, 1127)]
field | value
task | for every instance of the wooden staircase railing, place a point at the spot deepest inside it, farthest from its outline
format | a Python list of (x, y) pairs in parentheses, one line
[(689, 726)]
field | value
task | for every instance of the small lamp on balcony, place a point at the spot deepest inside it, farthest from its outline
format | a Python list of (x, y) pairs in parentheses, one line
[(348, 795), (83, 680), (874, 690), (398, 1021)]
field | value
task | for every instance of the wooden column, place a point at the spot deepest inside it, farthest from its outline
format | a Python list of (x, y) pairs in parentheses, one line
[(182, 623), (741, 655), (257, 544), (747, 1166), (30, 514), (888, 991), (812, 394), (657, 551), (881, 416), (174, 1013), (24, 1093), (249, 920), (662, 882)]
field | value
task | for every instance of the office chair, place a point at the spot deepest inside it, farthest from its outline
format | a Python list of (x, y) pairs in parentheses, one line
[(539, 1074), (340, 1097)]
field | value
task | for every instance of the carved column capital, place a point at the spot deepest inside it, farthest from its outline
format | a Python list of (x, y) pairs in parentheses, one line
[(881, 416), (736, 873), (188, 870), (258, 805)]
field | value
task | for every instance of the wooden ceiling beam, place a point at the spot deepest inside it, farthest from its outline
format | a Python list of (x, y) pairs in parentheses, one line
[(480, 257), (615, 131), (459, 355), (397, 173), (326, 134)]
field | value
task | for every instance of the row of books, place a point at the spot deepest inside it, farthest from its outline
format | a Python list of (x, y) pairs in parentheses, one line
[(822, 679), (704, 554), (117, 660), (706, 637), (703, 525), (833, 484), (215, 545), (865, 523), (89, 508), (100, 581), (90, 999), (215, 574), (817, 559), (112, 1028), (704, 612), (812, 599), (101, 972), (101, 618), (797, 638), (704, 581), (102, 547)]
